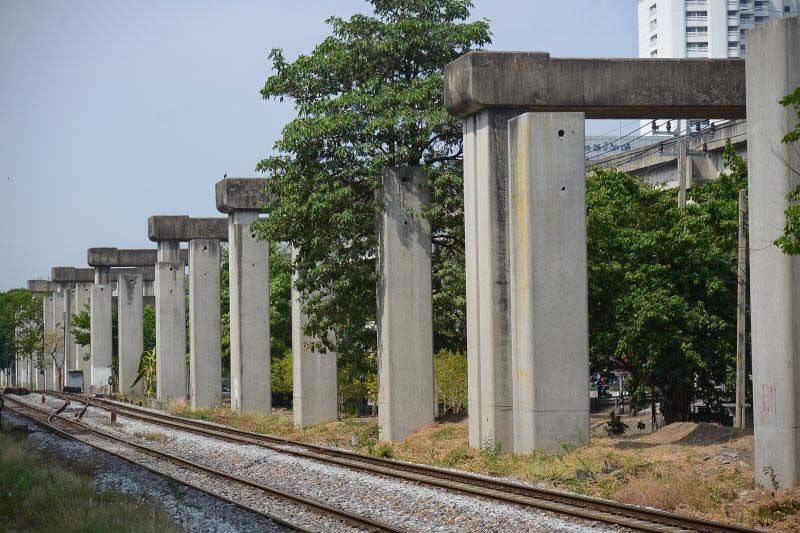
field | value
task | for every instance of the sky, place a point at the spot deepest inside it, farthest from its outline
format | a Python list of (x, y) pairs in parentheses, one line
[(112, 111)]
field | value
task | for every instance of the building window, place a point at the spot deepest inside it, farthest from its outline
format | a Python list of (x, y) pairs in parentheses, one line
[(653, 25), (787, 9), (652, 10), (697, 46), (697, 29), (742, 47), (760, 20), (654, 53), (653, 40), (733, 44), (733, 28), (758, 4), (696, 13)]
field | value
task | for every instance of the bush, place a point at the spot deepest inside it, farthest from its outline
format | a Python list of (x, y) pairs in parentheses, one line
[(282, 374), (615, 425), (450, 376)]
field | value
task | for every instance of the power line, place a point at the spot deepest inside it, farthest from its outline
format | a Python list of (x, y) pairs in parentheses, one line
[(624, 136)]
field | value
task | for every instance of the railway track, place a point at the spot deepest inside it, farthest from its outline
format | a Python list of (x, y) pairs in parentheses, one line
[(77, 430), (575, 505)]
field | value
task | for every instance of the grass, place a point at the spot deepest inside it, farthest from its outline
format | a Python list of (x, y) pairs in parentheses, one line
[(39, 494), (153, 436)]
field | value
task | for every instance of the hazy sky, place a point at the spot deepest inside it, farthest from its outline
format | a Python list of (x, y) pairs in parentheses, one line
[(112, 111)]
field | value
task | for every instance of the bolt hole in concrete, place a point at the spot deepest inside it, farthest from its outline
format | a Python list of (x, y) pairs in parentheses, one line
[(560, 133), (563, 188), (205, 248)]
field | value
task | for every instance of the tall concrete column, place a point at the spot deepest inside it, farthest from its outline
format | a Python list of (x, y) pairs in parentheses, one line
[(130, 332), (170, 323), (45, 377), (83, 293), (59, 312), (487, 264), (405, 306), (773, 71), (70, 347), (549, 308), (251, 387), (205, 358), (101, 333), (314, 378)]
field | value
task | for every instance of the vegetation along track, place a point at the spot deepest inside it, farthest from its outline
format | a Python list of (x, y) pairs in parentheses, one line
[(75, 429), (506, 491)]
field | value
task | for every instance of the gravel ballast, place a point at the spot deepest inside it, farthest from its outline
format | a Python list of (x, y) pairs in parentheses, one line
[(404, 504)]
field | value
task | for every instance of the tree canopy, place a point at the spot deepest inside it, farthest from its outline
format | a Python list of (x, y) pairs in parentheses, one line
[(20, 326), (368, 96)]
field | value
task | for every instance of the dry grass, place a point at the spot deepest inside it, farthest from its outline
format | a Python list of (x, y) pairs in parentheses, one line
[(153, 436), (39, 494), (699, 469)]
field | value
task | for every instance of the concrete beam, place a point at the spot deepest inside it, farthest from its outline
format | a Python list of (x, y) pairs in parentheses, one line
[(314, 379), (241, 194), (118, 257), (205, 358), (184, 228), (130, 332), (600, 88), (86, 275), (549, 310), (405, 306), (773, 71), (41, 286)]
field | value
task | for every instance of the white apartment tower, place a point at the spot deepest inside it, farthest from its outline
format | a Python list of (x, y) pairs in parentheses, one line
[(703, 28)]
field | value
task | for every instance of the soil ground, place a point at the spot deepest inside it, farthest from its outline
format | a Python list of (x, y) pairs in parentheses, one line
[(701, 469)]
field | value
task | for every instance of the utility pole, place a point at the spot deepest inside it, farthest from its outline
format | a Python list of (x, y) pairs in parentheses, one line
[(741, 317)]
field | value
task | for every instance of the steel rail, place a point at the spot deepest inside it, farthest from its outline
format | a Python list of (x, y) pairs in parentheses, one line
[(82, 428), (576, 505)]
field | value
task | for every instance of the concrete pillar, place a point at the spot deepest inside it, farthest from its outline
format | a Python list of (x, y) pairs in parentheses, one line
[(549, 309), (170, 323), (487, 264), (205, 357), (405, 306), (251, 387), (60, 302), (45, 377), (83, 293), (101, 333), (314, 379), (70, 347), (773, 71), (130, 332)]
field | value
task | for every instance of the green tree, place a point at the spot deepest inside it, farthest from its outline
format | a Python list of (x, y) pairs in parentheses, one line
[(789, 242), (20, 326), (662, 284), (368, 96)]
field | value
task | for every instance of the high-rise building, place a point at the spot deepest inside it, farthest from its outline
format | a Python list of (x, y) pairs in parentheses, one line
[(703, 28)]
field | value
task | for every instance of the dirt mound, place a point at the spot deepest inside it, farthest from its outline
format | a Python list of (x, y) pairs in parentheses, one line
[(690, 433)]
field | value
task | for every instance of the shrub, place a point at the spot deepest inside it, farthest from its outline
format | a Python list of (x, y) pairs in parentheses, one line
[(450, 371), (282, 374)]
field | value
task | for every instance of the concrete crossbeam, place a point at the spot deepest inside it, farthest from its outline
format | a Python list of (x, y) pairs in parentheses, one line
[(41, 286), (774, 276), (184, 228), (487, 265), (205, 358), (548, 267), (241, 194), (101, 333), (405, 306), (86, 275), (130, 332), (170, 331), (600, 88), (117, 257), (314, 379)]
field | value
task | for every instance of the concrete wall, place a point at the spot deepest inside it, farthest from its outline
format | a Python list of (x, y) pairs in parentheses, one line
[(405, 308), (130, 332), (775, 276), (205, 358), (548, 267)]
